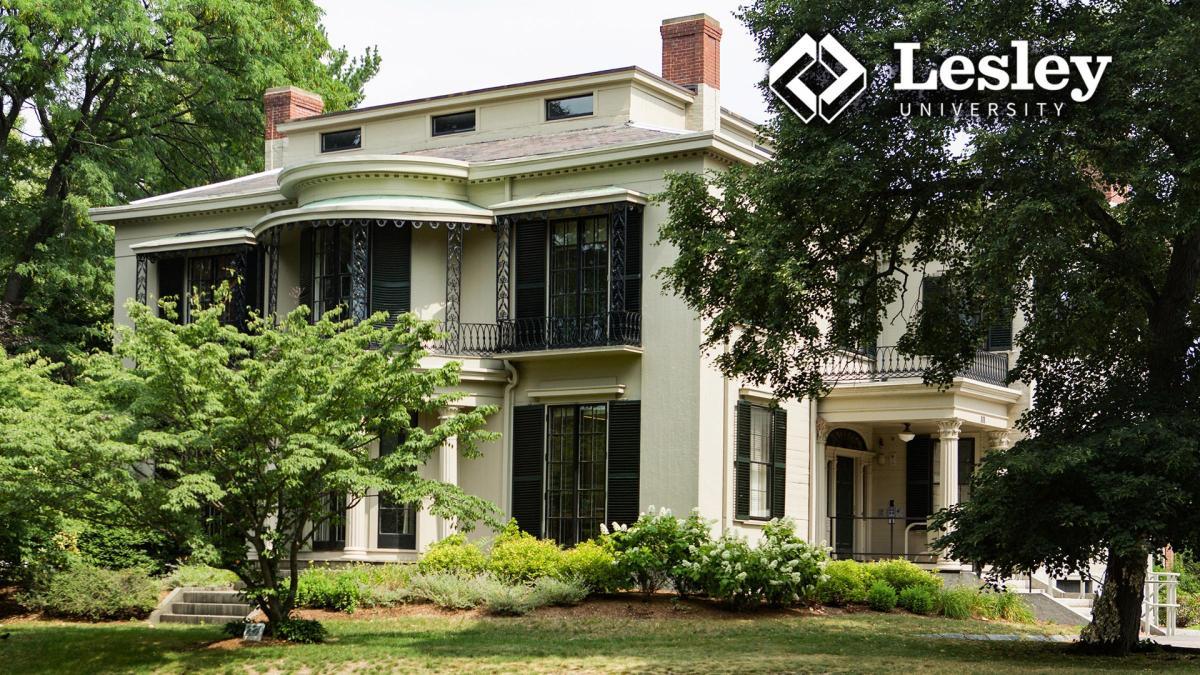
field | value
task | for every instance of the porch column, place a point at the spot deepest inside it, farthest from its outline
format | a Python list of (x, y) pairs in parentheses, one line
[(820, 489), (862, 527), (999, 440), (447, 467), (948, 458), (358, 531), (503, 239), (454, 250)]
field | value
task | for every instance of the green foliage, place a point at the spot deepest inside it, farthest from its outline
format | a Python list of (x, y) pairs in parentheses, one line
[(548, 591), (519, 557), (651, 550), (794, 565), (304, 631), (918, 600), (132, 99), (449, 591), (901, 574), (83, 591), (881, 597), (1189, 610), (503, 599), (199, 576), (455, 555), (592, 564), (324, 587), (1011, 607), (117, 547), (844, 582), (959, 602)]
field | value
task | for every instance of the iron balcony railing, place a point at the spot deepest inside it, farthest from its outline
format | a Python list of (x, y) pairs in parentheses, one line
[(880, 364), (542, 333)]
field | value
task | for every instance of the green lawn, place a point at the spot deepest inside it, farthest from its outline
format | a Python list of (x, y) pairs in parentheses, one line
[(847, 643)]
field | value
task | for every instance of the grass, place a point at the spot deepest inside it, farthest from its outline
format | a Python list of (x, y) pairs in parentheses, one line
[(863, 642)]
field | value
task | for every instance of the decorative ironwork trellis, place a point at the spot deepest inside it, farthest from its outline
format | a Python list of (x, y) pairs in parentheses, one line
[(143, 264), (273, 281), (503, 252), (618, 227), (454, 252), (358, 271)]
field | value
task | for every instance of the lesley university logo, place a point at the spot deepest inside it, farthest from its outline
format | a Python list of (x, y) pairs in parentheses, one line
[(849, 78)]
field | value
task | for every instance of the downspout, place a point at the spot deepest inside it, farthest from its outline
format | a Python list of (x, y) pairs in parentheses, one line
[(506, 434)]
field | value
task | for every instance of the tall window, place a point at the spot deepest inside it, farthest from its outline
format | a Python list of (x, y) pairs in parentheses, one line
[(200, 276), (397, 520), (331, 269), (576, 472), (579, 267), (760, 462), (331, 534)]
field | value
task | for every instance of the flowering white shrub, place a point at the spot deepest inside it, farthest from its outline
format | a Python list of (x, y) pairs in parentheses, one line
[(652, 550)]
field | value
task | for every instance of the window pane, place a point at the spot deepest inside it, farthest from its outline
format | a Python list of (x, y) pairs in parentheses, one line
[(576, 472), (758, 491), (454, 123), (341, 140), (571, 106)]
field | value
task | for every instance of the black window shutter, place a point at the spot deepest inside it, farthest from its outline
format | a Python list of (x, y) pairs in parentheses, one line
[(741, 490), (531, 270), (170, 282), (529, 437), (778, 461), (919, 478), (999, 336), (624, 461), (306, 269), (633, 261), (391, 271)]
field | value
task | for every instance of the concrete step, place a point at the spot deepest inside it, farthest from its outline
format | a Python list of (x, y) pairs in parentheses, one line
[(214, 597), (1076, 602), (196, 619), (236, 610)]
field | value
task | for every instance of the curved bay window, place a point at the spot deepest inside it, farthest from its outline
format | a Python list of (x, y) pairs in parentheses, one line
[(576, 472), (325, 275)]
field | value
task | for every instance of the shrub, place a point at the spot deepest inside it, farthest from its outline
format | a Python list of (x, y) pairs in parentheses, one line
[(548, 591), (307, 631), (792, 565), (449, 591), (520, 557), (592, 564), (651, 551), (117, 548), (328, 588), (917, 599), (729, 570), (881, 597), (84, 591), (504, 599), (453, 555), (845, 581), (1189, 610), (202, 576), (383, 585), (959, 602), (1012, 607), (902, 574)]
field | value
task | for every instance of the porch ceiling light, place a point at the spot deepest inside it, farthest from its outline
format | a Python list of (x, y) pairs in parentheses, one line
[(906, 435)]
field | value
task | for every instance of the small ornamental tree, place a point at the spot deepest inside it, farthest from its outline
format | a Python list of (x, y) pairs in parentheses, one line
[(241, 437)]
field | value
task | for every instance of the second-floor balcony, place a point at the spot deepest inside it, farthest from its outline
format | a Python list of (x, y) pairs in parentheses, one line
[(539, 334), (880, 364)]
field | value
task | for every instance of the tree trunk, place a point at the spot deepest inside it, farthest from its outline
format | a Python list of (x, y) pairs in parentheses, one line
[(1117, 613)]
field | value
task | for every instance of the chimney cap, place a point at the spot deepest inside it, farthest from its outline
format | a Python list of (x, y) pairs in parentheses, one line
[(692, 17), (289, 89)]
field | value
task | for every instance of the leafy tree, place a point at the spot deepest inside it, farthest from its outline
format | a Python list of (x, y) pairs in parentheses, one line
[(105, 102), (1087, 223), (238, 439)]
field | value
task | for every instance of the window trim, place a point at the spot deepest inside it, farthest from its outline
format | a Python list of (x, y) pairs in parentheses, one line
[(433, 133), (546, 106), (321, 140)]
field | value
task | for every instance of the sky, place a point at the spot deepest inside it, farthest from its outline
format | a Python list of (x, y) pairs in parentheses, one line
[(434, 48)]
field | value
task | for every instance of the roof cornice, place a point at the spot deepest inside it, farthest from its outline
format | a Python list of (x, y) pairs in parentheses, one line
[(267, 197)]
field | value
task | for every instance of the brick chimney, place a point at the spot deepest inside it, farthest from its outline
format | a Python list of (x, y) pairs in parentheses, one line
[(691, 58), (283, 104)]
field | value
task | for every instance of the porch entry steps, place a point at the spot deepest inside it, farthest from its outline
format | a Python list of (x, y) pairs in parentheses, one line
[(201, 606)]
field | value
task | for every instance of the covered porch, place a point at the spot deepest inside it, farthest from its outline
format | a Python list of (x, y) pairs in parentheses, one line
[(891, 454)]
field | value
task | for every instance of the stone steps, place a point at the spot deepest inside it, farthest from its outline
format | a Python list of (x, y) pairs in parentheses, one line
[(202, 606)]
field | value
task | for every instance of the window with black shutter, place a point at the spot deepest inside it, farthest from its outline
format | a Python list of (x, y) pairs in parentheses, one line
[(624, 461), (760, 463), (576, 471), (633, 261), (391, 271), (171, 273), (331, 273), (528, 453), (919, 479), (330, 534), (184, 277), (999, 335), (530, 285), (396, 521)]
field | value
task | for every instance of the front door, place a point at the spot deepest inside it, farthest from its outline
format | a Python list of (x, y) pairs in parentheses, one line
[(844, 508)]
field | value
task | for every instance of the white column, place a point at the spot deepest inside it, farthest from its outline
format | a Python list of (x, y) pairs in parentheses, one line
[(860, 506), (948, 456), (358, 533), (999, 440), (447, 467), (820, 485)]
